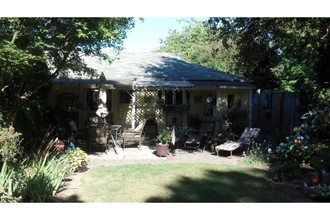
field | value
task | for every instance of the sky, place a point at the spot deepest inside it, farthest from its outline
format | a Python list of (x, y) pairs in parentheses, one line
[(146, 34)]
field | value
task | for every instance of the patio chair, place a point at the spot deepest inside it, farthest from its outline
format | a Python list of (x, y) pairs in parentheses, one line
[(206, 129), (78, 135), (134, 134), (248, 135)]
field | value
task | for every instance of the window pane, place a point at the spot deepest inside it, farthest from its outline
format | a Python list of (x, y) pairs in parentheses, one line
[(91, 99), (230, 101), (169, 97), (178, 97), (125, 96)]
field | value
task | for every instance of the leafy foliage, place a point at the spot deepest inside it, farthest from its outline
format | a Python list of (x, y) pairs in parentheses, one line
[(76, 158), (33, 51), (320, 191), (196, 45), (257, 154), (285, 170), (10, 145), (308, 144), (287, 54), (42, 176), (9, 184), (233, 122), (296, 148), (164, 136)]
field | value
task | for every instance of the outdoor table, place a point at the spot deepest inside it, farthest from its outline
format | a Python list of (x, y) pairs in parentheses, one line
[(114, 130)]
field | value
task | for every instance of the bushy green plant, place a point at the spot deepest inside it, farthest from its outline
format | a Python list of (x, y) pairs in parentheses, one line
[(257, 154), (296, 148), (316, 123), (164, 136), (9, 184), (43, 176), (320, 191), (320, 158), (10, 144), (285, 170), (77, 158), (233, 122)]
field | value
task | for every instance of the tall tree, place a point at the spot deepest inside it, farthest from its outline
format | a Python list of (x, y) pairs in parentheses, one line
[(195, 44), (33, 51), (281, 53)]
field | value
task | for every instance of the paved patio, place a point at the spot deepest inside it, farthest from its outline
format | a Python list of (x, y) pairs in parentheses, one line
[(146, 154)]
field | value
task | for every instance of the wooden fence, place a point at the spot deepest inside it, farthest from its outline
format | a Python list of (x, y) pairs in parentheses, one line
[(276, 111)]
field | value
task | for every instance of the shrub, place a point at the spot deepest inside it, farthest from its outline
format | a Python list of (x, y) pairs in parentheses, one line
[(9, 184), (316, 123), (320, 158), (43, 176), (296, 148), (285, 170), (233, 122), (10, 144), (320, 192), (258, 154), (77, 158)]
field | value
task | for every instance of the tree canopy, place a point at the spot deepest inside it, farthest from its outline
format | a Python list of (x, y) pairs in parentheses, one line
[(282, 54), (33, 51), (196, 44)]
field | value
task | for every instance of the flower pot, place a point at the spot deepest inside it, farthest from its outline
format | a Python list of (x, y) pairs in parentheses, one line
[(313, 178), (162, 149)]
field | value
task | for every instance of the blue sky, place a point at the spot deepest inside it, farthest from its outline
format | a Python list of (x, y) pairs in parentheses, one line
[(145, 36)]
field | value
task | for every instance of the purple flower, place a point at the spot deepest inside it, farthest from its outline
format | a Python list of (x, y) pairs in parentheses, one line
[(8, 155), (14, 160)]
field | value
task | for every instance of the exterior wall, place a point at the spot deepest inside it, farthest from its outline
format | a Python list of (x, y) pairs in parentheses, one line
[(239, 94), (147, 106)]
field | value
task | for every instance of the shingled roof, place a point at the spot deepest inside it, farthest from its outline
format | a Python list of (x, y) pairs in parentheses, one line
[(151, 69)]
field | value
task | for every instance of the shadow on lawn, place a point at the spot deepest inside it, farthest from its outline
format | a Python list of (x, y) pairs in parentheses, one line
[(219, 186), (72, 198)]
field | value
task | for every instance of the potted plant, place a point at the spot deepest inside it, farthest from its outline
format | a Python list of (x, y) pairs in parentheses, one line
[(163, 141)]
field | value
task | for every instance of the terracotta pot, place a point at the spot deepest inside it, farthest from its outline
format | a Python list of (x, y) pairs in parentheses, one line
[(313, 178), (162, 149)]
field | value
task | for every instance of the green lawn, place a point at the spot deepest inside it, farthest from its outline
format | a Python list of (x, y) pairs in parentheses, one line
[(176, 183)]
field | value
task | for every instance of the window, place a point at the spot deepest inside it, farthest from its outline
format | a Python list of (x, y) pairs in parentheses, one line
[(179, 97), (91, 99), (230, 101), (234, 101), (125, 96), (169, 97), (172, 97)]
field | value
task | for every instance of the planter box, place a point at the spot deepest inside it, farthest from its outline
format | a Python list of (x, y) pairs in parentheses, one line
[(162, 150)]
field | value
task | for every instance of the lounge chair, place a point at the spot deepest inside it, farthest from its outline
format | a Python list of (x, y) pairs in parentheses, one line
[(246, 138), (134, 134), (206, 129)]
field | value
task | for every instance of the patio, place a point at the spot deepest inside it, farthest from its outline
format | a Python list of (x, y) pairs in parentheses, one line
[(146, 154)]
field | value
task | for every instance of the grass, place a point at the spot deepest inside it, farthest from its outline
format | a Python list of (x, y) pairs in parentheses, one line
[(176, 183)]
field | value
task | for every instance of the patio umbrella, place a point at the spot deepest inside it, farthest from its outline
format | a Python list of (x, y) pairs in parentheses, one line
[(173, 136), (102, 109)]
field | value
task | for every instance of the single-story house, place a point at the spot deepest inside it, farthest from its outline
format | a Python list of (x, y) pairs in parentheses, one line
[(162, 87)]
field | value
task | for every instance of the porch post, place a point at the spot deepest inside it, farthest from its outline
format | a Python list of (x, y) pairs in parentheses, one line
[(218, 110), (250, 107), (133, 104)]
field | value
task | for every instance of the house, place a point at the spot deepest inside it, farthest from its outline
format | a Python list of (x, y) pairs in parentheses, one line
[(162, 87)]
